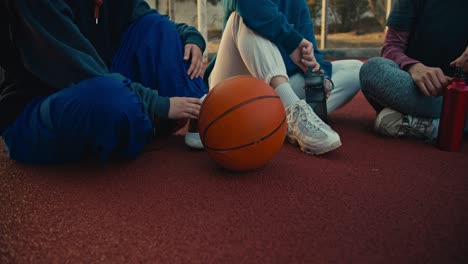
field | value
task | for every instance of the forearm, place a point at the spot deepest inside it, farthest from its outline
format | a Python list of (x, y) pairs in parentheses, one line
[(395, 45)]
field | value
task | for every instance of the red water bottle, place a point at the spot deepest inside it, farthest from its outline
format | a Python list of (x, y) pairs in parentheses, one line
[(452, 119)]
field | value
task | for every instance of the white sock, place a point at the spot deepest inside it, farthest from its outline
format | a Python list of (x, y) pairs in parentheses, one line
[(287, 94)]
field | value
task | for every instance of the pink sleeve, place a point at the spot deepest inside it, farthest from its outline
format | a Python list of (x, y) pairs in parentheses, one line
[(395, 46)]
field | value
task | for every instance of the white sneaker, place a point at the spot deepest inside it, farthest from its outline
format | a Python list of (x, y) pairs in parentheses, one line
[(309, 131), (193, 140), (395, 124)]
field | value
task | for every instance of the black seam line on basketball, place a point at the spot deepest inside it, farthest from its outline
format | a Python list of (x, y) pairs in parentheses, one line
[(232, 109), (252, 143)]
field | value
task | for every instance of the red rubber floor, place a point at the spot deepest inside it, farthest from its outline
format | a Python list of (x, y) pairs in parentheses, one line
[(374, 200)]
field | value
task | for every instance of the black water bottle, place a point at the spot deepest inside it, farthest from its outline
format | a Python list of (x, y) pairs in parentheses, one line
[(315, 93)]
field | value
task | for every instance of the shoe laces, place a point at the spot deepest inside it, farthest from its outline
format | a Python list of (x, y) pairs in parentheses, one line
[(307, 117), (420, 127), (310, 115)]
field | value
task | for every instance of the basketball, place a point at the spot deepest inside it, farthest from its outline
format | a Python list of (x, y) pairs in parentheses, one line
[(242, 123)]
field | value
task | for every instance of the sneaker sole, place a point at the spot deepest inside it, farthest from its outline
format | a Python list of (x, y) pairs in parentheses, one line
[(312, 151)]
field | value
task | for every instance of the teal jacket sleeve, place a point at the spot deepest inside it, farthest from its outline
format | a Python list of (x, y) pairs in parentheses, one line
[(191, 35), (53, 49), (263, 17)]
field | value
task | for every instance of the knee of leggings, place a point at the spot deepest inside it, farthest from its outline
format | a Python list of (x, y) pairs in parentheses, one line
[(369, 72)]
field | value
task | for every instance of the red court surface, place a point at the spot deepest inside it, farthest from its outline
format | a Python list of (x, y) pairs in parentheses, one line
[(373, 200)]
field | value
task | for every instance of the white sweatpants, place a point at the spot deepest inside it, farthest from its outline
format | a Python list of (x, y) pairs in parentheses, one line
[(244, 52)]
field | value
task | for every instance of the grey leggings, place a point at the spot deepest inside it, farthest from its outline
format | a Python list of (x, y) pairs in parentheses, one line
[(384, 84)]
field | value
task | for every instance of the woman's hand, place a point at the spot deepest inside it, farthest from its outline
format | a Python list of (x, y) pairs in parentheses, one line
[(303, 56), (194, 52), (184, 107), (430, 80)]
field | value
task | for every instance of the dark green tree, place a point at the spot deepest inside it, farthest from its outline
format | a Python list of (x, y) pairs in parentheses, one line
[(348, 13)]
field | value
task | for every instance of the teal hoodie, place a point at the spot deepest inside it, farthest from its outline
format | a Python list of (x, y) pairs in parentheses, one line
[(283, 22), (58, 43)]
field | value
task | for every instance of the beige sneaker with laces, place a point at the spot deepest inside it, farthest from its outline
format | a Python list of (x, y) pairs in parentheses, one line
[(305, 128), (395, 124)]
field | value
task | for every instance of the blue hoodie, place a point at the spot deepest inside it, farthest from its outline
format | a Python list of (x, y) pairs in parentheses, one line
[(283, 22)]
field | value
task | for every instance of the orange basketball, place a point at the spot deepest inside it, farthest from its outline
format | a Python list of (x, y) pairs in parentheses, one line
[(242, 123)]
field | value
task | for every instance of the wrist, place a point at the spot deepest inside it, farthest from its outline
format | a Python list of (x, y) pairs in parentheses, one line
[(411, 66)]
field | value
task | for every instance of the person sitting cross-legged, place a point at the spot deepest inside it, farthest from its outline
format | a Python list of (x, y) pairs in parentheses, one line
[(425, 44)]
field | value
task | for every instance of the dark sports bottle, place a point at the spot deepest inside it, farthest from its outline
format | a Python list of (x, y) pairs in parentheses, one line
[(452, 119), (315, 93)]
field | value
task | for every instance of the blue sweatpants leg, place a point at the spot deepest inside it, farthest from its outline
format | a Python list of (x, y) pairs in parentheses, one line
[(151, 52), (98, 118)]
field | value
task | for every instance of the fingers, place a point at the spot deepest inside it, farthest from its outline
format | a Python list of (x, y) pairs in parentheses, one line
[(196, 66), (460, 61), (308, 58), (198, 70), (423, 88), (303, 56), (328, 87), (192, 114), (433, 83), (192, 100), (184, 107), (195, 69), (193, 108), (187, 51)]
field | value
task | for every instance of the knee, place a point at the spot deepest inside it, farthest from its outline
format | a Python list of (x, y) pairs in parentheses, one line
[(154, 29), (374, 66), (371, 70), (354, 65), (157, 21), (106, 97)]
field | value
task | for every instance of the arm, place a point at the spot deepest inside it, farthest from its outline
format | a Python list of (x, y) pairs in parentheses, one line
[(394, 47), (194, 47), (263, 17), (462, 61), (430, 80), (307, 30)]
